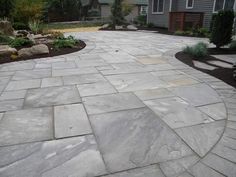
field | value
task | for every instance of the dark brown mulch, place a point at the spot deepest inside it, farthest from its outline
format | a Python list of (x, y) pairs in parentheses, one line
[(224, 74), (52, 52)]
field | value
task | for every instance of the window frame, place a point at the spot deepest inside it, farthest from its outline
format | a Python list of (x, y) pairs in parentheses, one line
[(189, 7), (158, 7), (214, 6)]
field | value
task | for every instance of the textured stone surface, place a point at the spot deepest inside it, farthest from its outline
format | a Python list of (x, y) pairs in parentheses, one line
[(177, 113), (215, 111), (10, 105), (77, 157), (51, 82), (136, 138), (12, 95), (52, 96), (24, 84), (197, 95), (71, 120), (153, 94), (31, 74), (201, 138), (99, 88), (73, 71), (26, 126), (150, 171), (113, 102)]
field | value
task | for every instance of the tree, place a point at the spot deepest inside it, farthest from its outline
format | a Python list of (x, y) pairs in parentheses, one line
[(117, 16), (222, 28), (6, 7)]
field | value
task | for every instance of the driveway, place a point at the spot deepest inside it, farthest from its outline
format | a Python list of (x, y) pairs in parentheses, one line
[(121, 107)]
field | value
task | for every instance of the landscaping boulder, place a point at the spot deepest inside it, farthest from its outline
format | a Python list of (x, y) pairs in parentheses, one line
[(132, 27), (6, 28), (105, 26), (119, 27), (35, 50), (7, 50)]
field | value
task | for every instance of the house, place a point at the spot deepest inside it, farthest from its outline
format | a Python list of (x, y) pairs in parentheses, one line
[(183, 14), (101, 9)]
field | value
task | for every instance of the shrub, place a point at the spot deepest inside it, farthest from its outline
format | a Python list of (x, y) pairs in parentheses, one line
[(117, 16), (6, 6), (35, 26), (20, 26), (68, 42), (201, 32), (20, 42), (57, 35), (150, 25), (222, 26), (141, 20), (4, 39), (199, 50), (232, 45)]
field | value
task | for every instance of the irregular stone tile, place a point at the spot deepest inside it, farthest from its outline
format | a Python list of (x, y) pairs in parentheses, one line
[(159, 67), (177, 113), (43, 65), (185, 174), (117, 58), (150, 61), (107, 67), (99, 88), (77, 157), (178, 80), (51, 82), (135, 82), (175, 167), (63, 65), (136, 138), (22, 85), (26, 126), (153, 94), (90, 63), (221, 165), (18, 66), (73, 71), (9, 105), (1, 116), (201, 138), (215, 111), (6, 73), (231, 124), (197, 95), (4, 80), (71, 120), (83, 79), (52, 96), (113, 102), (201, 170), (226, 147), (150, 171), (166, 73), (13, 95), (31, 74)]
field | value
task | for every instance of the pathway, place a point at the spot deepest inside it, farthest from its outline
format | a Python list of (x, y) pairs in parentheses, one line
[(122, 107)]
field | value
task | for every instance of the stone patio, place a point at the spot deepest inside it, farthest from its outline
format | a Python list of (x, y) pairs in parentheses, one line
[(121, 107)]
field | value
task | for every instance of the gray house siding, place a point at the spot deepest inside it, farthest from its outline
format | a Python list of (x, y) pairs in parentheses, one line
[(160, 20), (205, 6)]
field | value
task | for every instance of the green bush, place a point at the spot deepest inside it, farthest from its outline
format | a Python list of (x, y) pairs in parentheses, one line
[(150, 25), (201, 32), (141, 20), (117, 16), (232, 45), (199, 50), (4, 39), (20, 42), (68, 42), (20, 26), (35, 26), (222, 28)]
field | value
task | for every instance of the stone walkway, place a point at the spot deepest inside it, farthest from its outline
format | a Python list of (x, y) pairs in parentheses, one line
[(122, 107)]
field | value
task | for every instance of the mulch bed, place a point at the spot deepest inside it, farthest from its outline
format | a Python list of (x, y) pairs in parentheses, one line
[(224, 74), (52, 52)]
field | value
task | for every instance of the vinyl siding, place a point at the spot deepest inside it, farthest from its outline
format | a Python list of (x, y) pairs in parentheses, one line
[(205, 6), (160, 20)]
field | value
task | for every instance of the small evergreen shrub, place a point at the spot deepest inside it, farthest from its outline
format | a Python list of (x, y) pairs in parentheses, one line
[(232, 45), (222, 28), (4, 39), (68, 42), (20, 42), (117, 16), (150, 25), (199, 50)]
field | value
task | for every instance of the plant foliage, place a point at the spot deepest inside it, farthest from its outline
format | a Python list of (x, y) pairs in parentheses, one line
[(20, 42), (6, 7), (199, 50), (222, 28), (68, 42), (117, 16)]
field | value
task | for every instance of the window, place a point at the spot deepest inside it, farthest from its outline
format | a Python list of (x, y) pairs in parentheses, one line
[(223, 5), (158, 6), (143, 10), (189, 4)]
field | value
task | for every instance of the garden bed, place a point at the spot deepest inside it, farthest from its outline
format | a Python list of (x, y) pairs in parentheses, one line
[(223, 73), (52, 52)]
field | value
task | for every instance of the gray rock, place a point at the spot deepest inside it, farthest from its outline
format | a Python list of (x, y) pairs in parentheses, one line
[(26, 126), (7, 50), (34, 50), (136, 138), (132, 27), (71, 120), (6, 27), (119, 27), (105, 26), (52, 96)]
